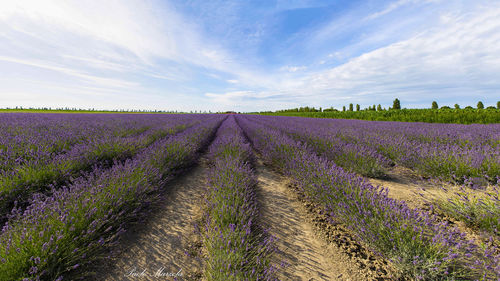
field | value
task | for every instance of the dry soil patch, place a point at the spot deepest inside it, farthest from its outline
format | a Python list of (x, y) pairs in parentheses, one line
[(306, 255)]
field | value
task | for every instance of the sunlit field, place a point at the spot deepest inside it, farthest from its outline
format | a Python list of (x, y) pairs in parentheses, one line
[(234, 197)]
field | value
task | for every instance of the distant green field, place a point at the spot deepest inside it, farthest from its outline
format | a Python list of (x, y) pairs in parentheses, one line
[(460, 116)]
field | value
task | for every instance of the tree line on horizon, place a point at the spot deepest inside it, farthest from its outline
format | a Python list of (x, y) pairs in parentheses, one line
[(396, 105), (434, 114)]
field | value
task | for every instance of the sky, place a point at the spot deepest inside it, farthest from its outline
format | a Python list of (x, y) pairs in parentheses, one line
[(252, 55)]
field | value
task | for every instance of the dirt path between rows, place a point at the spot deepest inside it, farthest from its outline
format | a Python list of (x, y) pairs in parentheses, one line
[(157, 249), (306, 256)]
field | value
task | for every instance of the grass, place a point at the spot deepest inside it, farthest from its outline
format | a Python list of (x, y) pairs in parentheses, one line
[(478, 209)]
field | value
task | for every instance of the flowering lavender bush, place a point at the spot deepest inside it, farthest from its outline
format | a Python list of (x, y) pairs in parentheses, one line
[(40, 137), (418, 244), (343, 150), (70, 227), (450, 152), (114, 144), (27, 137), (236, 251)]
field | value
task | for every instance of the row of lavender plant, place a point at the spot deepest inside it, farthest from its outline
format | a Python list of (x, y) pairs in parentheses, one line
[(35, 139), (25, 139), (464, 154), (39, 137), (479, 211), (420, 246), (350, 155), (60, 233), (236, 249), (451, 152), (17, 186)]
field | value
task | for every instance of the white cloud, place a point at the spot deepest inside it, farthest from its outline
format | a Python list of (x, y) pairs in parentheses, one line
[(457, 60), (289, 68), (108, 48), (109, 82), (109, 45), (229, 96), (134, 35), (396, 5), (447, 57)]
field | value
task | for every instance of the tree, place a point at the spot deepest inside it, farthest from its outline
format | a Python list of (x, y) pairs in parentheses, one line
[(480, 105), (435, 105), (396, 104), (498, 104), (343, 108), (351, 107), (357, 107), (457, 106), (379, 107), (373, 108)]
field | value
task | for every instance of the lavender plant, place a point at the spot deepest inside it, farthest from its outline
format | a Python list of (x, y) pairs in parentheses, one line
[(37, 175), (235, 248), (418, 244), (450, 152), (60, 233), (344, 151)]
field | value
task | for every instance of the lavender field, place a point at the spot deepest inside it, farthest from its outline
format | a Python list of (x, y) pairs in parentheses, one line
[(364, 200)]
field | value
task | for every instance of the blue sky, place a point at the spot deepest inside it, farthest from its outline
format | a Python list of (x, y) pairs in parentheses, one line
[(248, 55)]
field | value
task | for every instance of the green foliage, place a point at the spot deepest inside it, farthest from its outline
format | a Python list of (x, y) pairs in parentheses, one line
[(351, 107), (480, 105), (379, 107), (330, 109), (357, 107), (479, 210), (434, 105), (498, 104), (301, 109), (396, 104), (457, 106), (467, 115)]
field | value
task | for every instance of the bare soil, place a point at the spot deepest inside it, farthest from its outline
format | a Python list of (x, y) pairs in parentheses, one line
[(159, 248), (306, 246), (405, 185)]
